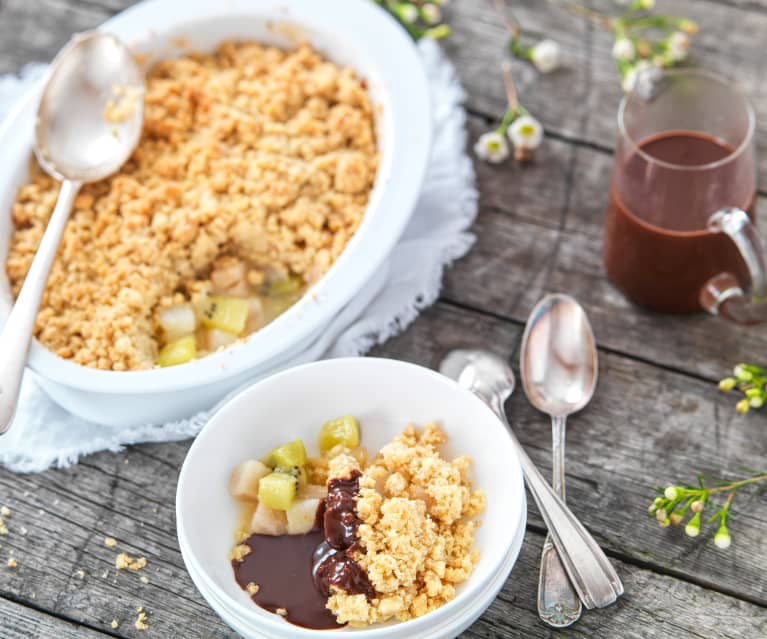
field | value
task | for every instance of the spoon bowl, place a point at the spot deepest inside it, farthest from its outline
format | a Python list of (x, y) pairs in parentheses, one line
[(91, 110), (558, 365)]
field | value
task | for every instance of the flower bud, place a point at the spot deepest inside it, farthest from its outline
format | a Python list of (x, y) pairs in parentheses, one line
[(756, 402), (651, 510), (727, 384), (624, 49), (661, 514), (657, 501), (692, 529), (673, 492), (431, 13), (676, 517), (690, 27), (664, 523), (742, 374), (697, 506), (545, 55), (407, 12), (742, 406), (722, 538)]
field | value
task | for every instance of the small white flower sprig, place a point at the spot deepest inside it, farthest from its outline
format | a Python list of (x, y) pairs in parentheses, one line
[(523, 131), (421, 18), (644, 41), (751, 381), (674, 503), (545, 54)]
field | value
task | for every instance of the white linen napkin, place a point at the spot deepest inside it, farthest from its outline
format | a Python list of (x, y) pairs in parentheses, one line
[(46, 435)]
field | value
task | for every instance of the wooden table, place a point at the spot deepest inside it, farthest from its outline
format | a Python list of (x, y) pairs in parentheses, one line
[(657, 416)]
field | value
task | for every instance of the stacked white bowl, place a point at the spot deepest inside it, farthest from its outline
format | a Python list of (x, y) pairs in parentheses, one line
[(385, 395)]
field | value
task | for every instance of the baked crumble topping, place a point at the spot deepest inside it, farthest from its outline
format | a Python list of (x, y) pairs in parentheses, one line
[(250, 152)]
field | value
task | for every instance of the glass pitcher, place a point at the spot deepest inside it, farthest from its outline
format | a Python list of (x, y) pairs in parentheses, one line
[(679, 232)]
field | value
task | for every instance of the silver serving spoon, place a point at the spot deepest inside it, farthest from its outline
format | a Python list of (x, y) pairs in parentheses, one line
[(79, 137), (492, 380), (558, 366)]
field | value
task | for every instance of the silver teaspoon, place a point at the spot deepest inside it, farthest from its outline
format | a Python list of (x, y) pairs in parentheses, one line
[(88, 123), (558, 365), (492, 380)]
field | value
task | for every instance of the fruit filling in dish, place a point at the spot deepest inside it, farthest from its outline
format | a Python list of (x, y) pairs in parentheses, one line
[(344, 539)]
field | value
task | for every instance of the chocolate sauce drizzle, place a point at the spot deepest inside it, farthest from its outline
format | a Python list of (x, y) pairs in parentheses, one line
[(333, 562), (296, 572)]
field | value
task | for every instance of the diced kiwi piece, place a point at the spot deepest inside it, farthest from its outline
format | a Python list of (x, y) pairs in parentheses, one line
[(287, 456), (277, 490), (342, 430), (284, 286), (225, 313), (299, 472), (178, 352)]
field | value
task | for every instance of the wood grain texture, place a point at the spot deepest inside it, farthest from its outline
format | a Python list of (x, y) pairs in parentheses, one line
[(655, 415)]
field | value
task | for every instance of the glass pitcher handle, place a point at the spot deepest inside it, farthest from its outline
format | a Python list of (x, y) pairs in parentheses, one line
[(723, 294)]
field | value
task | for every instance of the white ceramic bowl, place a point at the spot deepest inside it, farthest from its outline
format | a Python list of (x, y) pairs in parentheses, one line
[(352, 33), (384, 395)]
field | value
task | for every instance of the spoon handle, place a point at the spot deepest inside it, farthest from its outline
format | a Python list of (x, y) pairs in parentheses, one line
[(17, 332), (590, 572), (558, 603)]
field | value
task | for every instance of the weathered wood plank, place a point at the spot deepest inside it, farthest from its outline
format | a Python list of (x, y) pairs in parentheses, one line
[(581, 99), (22, 622), (654, 607), (542, 232), (643, 427)]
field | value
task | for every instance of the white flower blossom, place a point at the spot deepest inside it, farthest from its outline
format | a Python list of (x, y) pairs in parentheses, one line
[(431, 13), (722, 538), (624, 50), (526, 133), (641, 78), (678, 46), (492, 146), (545, 55)]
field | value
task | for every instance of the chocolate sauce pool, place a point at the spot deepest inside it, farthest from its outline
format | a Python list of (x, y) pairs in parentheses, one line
[(295, 572)]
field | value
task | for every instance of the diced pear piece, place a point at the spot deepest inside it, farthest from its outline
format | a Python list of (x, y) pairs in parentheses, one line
[(277, 490), (285, 285), (215, 338), (243, 483), (312, 491), (178, 352), (287, 456), (225, 313), (267, 521), (177, 321), (342, 430), (302, 515)]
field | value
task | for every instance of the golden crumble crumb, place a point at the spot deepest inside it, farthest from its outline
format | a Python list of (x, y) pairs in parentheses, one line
[(124, 560), (252, 588), (417, 532), (3, 527), (80, 574), (239, 552), (5, 511), (240, 536), (282, 612), (141, 621), (110, 542), (115, 624), (12, 563), (144, 579), (275, 169)]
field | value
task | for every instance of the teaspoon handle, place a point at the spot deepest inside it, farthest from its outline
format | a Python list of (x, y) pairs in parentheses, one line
[(590, 572), (17, 332), (558, 603)]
